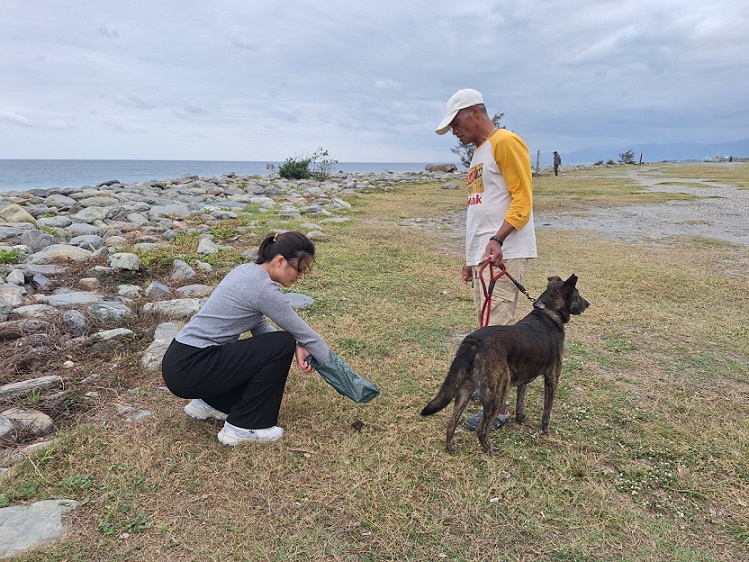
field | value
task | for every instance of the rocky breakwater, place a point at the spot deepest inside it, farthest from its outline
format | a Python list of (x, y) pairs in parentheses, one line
[(95, 282), (73, 280)]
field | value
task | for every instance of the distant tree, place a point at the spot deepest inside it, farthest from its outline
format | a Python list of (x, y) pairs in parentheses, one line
[(627, 157), (465, 151)]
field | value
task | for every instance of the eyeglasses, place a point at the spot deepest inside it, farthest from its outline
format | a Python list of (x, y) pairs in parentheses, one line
[(301, 271)]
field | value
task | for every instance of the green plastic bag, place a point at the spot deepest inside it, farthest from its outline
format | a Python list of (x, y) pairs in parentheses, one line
[(343, 378)]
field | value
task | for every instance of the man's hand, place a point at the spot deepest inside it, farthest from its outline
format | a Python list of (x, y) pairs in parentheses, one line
[(493, 253), (467, 274)]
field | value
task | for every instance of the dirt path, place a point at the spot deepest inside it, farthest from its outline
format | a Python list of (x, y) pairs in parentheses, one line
[(722, 213)]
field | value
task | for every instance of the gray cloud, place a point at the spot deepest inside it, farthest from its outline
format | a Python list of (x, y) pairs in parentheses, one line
[(225, 80)]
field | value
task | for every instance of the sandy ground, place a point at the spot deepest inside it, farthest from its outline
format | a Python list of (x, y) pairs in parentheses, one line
[(722, 213)]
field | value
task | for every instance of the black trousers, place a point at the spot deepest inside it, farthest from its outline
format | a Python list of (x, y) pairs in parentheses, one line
[(245, 379)]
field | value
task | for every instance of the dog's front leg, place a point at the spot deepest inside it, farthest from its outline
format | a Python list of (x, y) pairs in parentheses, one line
[(550, 389), (520, 404)]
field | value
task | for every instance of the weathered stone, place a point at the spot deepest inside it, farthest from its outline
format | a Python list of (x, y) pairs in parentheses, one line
[(177, 308), (29, 423), (132, 414), (24, 527), (297, 300), (87, 241), (37, 240), (75, 321), (7, 430), (13, 294), (5, 308), (124, 260), (42, 282), (32, 311), (88, 283), (130, 291), (58, 253), (16, 213), (27, 451), (207, 246), (69, 299), (108, 335), (16, 277), (441, 168), (194, 291), (60, 221), (174, 210), (16, 329), (163, 336), (90, 215), (157, 290), (181, 271), (109, 312)]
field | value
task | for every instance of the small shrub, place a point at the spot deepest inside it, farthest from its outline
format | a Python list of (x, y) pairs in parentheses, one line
[(599, 163), (9, 256), (295, 168)]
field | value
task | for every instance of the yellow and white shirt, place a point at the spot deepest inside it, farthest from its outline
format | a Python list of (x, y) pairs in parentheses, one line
[(500, 188)]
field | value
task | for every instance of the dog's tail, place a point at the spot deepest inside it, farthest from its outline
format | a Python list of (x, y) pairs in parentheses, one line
[(459, 371)]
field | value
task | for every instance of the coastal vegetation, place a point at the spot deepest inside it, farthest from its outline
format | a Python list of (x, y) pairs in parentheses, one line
[(298, 167), (648, 457)]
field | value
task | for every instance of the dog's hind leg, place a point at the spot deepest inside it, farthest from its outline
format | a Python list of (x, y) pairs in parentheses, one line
[(461, 400), (492, 403), (520, 403), (491, 411)]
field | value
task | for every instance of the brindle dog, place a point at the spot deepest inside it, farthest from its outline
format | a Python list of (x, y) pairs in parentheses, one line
[(495, 358)]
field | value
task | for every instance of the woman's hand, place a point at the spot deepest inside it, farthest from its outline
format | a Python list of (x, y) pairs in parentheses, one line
[(301, 359)]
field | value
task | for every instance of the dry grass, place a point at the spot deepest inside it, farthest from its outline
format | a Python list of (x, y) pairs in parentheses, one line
[(647, 458)]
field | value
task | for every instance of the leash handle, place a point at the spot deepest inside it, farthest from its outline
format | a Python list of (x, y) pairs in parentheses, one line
[(486, 308)]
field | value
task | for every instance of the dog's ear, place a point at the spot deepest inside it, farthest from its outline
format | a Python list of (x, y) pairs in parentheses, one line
[(571, 281), (553, 278)]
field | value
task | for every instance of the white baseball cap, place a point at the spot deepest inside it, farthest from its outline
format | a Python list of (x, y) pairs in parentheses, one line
[(459, 100)]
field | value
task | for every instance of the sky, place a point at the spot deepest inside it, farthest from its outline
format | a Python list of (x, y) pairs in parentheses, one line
[(366, 81)]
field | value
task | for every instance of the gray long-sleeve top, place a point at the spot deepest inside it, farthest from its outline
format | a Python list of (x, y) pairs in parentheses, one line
[(242, 302)]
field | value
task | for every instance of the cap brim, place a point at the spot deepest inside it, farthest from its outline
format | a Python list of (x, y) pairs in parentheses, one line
[(444, 125)]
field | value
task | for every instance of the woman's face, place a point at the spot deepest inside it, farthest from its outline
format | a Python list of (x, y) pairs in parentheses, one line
[(291, 271)]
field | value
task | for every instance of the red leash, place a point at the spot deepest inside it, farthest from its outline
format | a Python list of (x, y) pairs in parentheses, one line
[(486, 308)]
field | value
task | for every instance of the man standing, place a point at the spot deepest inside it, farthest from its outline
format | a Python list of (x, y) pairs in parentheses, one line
[(499, 220), (557, 163)]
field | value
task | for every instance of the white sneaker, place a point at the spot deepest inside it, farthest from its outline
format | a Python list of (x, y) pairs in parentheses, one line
[(232, 435), (201, 411)]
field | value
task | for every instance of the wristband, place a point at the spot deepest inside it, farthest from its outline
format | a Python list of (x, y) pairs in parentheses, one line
[(496, 239)]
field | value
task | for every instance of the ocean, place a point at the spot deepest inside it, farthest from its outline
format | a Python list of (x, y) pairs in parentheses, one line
[(21, 175)]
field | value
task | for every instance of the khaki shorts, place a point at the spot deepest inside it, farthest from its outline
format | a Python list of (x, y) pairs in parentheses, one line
[(505, 294)]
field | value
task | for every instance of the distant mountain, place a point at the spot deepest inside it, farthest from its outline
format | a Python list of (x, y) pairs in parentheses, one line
[(658, 152)]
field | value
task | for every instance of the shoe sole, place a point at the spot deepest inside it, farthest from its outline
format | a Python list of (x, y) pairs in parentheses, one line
[(231, 441), (203, 415)]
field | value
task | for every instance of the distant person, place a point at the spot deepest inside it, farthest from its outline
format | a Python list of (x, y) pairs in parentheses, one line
[(499, 219), (557, 163), (241, 381)]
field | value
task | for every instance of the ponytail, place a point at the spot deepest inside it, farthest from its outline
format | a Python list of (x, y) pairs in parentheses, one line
[(291, 245)]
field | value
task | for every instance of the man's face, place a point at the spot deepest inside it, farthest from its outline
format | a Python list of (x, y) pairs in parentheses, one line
[(462, 126)]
